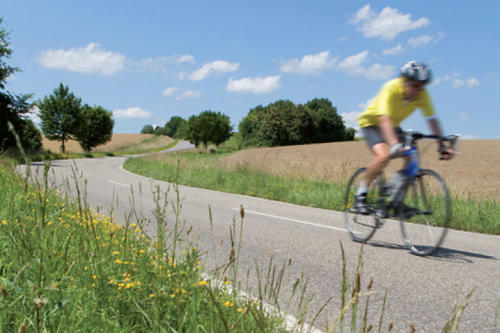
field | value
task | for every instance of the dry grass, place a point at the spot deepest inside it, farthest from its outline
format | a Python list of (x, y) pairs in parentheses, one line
[(118, 142), (474, 173)]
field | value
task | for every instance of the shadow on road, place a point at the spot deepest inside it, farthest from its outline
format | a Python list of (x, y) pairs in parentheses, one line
[(442, 253)]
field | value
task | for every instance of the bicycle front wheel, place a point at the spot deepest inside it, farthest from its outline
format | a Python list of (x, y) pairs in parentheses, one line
[(361, 227), (426, 213)]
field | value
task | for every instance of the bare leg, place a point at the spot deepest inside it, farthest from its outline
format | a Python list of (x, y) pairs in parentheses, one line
[(381, 160)]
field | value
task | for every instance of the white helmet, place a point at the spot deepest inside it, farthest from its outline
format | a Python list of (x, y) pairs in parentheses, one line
[(416, 71)]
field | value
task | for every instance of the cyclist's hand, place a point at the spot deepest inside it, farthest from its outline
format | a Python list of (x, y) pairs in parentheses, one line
[(446, 153)]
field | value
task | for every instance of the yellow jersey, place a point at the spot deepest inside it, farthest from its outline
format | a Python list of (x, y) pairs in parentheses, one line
[(390, 101)]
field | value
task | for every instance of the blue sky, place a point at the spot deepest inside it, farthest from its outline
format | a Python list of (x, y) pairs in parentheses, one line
[(148, 61)]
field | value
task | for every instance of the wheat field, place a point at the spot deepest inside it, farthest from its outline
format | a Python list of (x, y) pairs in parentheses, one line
[(474, 173), (117, 142)]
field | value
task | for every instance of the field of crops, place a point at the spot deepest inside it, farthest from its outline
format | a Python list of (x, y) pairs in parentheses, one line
[(474, 173), (118, 142)]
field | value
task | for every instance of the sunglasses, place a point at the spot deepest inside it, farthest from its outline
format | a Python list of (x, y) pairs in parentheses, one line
[(416, 85)]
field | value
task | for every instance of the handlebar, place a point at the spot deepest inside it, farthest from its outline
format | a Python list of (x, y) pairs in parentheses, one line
[(448, 141)]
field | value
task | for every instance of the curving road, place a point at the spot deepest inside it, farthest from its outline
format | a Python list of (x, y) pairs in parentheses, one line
[(420, 290)]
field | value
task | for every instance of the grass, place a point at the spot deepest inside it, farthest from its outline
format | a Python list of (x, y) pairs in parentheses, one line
[(201, 169)]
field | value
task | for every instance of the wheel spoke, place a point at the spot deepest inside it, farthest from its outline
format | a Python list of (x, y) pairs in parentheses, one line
[(425, 230), (361, 227)]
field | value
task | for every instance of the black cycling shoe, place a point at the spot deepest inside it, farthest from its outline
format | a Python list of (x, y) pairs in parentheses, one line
[(360, 204), (405, 211)]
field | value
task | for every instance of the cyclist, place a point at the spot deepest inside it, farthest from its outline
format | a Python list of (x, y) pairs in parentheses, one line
[(379, 123)]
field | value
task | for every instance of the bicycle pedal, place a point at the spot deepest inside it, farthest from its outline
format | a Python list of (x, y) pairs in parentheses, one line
[(381, 213)]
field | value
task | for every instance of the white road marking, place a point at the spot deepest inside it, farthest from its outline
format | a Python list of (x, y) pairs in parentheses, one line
[(113, 182), (293, 220)]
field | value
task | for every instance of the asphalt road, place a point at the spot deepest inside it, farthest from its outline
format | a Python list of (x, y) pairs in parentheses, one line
[(422, 291)]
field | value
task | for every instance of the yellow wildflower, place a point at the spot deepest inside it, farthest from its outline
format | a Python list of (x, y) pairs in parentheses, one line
[(202, 283)]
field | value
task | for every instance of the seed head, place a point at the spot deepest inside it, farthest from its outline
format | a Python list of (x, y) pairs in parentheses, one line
[(242, 212), (4, 292)]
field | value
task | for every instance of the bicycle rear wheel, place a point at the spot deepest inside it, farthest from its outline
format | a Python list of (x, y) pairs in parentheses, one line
[(361, 227), (427, 213)]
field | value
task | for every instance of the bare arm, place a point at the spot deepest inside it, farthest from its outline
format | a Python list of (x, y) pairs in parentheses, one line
[(435, 127), (387, 130), (446, 153)]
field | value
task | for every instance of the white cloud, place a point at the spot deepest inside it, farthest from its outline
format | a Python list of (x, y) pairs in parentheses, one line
[(134, 112), (366, 104), (351, 119), (258, 85), (169, 91), (160, 64), (89, 59), (440, 80), (353, 65), (189, 94), (33, 115), (215, 66), (426, 39), (393, 51), (313, 64), (184, 58), (387, 24), (468, 83)]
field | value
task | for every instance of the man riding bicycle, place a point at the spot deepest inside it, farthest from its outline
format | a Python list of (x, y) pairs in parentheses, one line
[(379, 123)]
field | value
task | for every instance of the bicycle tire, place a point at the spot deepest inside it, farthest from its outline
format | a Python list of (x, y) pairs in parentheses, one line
[(361, 227), (424, 231)]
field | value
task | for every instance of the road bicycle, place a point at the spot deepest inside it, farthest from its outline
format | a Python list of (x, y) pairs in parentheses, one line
[(421, 202)]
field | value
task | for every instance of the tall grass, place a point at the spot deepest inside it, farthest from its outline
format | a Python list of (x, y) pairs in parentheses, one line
[(203, 170)]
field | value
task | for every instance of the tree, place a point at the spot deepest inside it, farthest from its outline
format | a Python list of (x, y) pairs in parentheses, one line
[(350, 134), (14, 108), (96, 127), (183, 131), (61, 115), (147, 129), (173, 126), (160, 130), (329, 126), (209, 126), (284, 123)]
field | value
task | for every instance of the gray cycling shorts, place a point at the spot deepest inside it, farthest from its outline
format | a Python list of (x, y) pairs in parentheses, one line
[(373, 135)]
